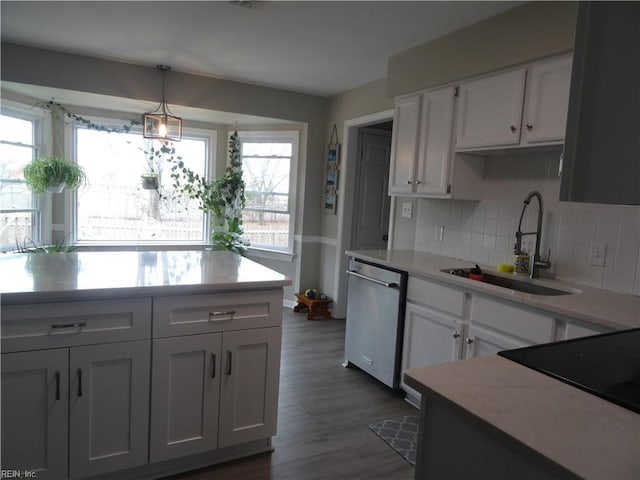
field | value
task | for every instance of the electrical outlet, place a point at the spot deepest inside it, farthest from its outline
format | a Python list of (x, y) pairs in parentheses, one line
[(407, 209), (598, 254), (438, 233)]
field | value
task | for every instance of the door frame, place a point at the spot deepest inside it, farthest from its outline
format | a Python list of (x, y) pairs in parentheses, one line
[(346, 204)]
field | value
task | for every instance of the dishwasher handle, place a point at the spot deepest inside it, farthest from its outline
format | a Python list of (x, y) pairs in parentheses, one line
[(374, 280)]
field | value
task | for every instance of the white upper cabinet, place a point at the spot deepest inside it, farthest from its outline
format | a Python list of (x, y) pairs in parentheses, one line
[(490, 110), (517, 108), (547, 99), (404, 143), (422, 159)]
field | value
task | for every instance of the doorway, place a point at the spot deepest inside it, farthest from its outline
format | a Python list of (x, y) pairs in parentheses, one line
[(372, 202)]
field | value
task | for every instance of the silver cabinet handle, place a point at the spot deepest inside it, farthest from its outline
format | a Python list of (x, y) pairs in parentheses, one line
[(456, 334), (214, 314), (529, 127), (417, 182), (469, 340), (513, 129), (409, 182), (374, 280), (69, 325), (213, 365), (229, 359)]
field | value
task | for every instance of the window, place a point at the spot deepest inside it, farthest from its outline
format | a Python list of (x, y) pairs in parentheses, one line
[(115, 208), (268, 164), (20, 210)]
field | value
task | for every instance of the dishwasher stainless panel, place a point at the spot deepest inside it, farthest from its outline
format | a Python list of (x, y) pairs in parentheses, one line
[(375, 320)]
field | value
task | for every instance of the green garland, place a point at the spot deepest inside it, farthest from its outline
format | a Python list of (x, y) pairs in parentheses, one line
[(126, 128)]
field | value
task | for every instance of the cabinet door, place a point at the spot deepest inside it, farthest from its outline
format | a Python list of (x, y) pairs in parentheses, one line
[(249, 390), (35, 399), (481, 342), (109, 407), (185, 389), (404, 144), (490, 111), (436, 128), (547, 99), (429, 339)]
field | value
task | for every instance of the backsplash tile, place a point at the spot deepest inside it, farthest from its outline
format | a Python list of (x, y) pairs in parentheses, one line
[(484, 231)]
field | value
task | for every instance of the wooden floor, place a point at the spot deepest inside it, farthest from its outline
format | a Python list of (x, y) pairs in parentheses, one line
[(324, 413)]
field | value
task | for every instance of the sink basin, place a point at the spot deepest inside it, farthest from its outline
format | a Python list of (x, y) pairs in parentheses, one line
[(510, 283)]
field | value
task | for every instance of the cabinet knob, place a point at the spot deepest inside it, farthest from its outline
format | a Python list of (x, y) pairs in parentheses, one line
[(417, 182), (529, 127), (469, 340), (409, 182), (456, 334), (513, 129)]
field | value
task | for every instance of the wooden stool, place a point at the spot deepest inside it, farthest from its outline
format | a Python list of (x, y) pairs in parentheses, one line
[(314, 306)]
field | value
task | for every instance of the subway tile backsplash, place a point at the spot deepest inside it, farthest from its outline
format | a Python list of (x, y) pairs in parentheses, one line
[(484, 231)]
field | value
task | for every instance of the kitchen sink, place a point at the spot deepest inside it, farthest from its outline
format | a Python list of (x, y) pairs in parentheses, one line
[(507, 282)]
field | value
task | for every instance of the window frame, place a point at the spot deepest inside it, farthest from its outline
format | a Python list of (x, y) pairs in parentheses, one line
[(41, 204), (277, 136), (211, 138)]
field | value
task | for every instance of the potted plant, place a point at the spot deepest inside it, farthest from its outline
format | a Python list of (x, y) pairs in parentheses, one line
[(53, 174)]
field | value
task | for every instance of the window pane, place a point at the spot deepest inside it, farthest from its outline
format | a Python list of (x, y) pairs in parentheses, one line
[(16, 130), (114, 207), (266, 228), (267, 182), (16, 229)]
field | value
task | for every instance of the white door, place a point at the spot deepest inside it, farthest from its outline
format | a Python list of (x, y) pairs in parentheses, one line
[(185, 391), (250, 381), (404, 144), (429, 339), (108, 407), (373, 201), (482, 342), (436, 128), (547, 101), (490, 111), (35, 400)]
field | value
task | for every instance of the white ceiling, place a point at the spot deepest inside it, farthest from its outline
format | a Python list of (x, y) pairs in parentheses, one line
[(320, 48)]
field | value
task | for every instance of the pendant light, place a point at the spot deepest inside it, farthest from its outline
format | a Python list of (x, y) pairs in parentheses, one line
[(161, 124)]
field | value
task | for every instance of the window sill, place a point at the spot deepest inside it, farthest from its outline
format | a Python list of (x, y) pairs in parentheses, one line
[(271, 254)]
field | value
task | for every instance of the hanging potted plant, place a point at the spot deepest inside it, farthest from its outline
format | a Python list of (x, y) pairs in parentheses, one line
[(53, 174)]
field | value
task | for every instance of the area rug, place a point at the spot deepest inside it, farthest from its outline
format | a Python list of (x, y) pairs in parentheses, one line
[(401, 434)]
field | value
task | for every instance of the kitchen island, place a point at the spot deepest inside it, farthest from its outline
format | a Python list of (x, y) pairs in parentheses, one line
[(489, 417), (140, 363)]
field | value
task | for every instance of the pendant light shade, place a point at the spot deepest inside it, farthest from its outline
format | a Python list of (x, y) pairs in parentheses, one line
[(161, 124)]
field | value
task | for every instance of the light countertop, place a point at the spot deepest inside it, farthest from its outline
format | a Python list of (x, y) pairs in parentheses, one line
[(593, 305), (591, 437), (36, 277)]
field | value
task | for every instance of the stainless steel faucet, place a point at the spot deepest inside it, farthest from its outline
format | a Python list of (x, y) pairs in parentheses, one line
[(536, 262)]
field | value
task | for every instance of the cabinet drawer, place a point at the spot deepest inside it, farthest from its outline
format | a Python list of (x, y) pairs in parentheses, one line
[(437, 296), (511, 320), (216, 312), (64, 324)]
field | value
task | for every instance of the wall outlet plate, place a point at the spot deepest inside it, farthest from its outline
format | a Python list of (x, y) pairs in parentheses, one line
[(598, 254), (407, 209)]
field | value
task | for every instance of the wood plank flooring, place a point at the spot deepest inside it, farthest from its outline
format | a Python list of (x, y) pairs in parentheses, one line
[(323, 417)]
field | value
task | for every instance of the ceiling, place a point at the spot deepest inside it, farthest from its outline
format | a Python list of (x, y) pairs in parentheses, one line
[(321, 48)]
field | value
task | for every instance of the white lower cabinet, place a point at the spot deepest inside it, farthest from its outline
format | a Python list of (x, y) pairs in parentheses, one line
[(429, 338), (482, 341), (76, 412), (35, 412), (213, 390)]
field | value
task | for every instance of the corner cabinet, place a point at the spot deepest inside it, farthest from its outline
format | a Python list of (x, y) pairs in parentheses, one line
[(423, 163), (522, 107)]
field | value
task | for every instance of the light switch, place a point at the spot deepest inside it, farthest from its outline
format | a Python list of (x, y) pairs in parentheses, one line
[(598, 254), (407, 209)]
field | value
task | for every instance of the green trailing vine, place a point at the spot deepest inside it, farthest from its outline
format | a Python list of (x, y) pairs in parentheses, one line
[(223, 198), (126, 128)]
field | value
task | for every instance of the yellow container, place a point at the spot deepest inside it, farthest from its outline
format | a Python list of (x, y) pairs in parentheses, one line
[(504, 267)]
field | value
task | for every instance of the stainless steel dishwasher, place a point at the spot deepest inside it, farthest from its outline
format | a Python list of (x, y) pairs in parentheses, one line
[(375, 320)]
